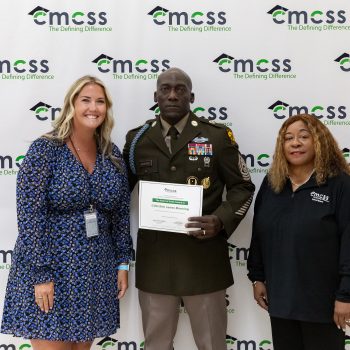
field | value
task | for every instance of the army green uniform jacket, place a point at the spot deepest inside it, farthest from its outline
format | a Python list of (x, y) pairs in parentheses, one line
[(178, 264)]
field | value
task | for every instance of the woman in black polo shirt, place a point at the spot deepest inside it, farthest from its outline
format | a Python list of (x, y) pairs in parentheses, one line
[(299, 259)]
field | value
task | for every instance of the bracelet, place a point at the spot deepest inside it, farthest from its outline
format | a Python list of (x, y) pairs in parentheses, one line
[(124, 266), (254, 283)]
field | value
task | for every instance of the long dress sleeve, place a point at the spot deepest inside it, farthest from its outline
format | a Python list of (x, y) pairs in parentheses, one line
[(32, 186), (121, 218)]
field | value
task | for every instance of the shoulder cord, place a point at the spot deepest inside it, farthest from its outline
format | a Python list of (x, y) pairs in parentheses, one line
[(133, 146)]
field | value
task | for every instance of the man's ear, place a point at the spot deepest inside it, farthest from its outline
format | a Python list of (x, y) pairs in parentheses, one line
[(192, 97), (155, 96)]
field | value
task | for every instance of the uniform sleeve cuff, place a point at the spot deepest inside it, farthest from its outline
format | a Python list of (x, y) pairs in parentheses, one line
[(227, 224)]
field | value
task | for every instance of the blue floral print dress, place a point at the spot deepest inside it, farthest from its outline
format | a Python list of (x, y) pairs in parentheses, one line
[(53, 191)]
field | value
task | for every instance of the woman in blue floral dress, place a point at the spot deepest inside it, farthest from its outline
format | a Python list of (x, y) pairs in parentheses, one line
[(71, 257)]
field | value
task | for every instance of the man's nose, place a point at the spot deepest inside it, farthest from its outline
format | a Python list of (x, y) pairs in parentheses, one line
[(172, 95)]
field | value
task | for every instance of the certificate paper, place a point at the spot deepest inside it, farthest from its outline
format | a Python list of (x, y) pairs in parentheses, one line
[(166, 206)]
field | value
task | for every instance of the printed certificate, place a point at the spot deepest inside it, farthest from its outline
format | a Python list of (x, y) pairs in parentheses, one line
[(166, 206)]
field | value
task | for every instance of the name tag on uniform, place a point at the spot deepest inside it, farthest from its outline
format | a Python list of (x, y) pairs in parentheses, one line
[(91, 225)]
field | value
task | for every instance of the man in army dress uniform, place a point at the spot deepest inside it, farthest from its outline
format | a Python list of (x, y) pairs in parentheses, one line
[(179, 147)]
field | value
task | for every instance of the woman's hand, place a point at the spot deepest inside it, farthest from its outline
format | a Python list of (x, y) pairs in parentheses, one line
[(341, 314), (260, 294), (44, 295), (122, 283)]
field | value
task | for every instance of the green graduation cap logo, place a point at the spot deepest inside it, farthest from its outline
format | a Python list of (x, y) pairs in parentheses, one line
[(101, 59), (40, 107), (342, 59), (230, 340), (155, 109), (277, 10), (278, 105), (107, 342), (347, 340), (346, 152), (158, 11), (223, 58), (38, 11)]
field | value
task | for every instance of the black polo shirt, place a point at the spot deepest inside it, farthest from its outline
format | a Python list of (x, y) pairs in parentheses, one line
[(301, 247)]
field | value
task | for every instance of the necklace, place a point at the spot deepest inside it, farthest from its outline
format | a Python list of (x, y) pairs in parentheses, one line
[(307, 179), (75, 149), (88, 165)]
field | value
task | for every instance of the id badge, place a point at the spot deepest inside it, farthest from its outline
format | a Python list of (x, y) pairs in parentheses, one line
[(91, 223)]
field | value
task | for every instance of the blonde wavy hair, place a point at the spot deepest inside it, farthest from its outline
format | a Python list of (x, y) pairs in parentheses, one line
[(63, 125), (329, 160)]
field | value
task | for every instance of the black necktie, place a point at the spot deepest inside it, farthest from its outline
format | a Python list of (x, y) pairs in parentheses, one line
[(173, 137)]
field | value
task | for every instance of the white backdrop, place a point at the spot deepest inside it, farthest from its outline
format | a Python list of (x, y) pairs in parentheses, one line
[(253, 63)]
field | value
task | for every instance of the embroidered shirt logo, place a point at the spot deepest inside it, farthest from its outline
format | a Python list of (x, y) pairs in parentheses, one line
[(319, 197)]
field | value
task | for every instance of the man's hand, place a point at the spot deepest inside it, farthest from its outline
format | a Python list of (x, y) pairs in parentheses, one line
[(207, 226)]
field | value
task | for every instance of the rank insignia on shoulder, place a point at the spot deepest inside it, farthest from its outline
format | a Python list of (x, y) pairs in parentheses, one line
[(206, 182), (192, 180), (230, 135), (194, 123), (200, 139)]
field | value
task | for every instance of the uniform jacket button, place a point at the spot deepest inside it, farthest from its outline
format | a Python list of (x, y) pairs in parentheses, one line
[(173, 168)]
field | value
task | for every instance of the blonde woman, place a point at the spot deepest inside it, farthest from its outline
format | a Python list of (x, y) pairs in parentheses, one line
[(299, 259), (73, 248)]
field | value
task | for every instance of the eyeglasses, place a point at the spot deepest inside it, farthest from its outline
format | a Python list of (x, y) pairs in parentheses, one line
[(302, 138)]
